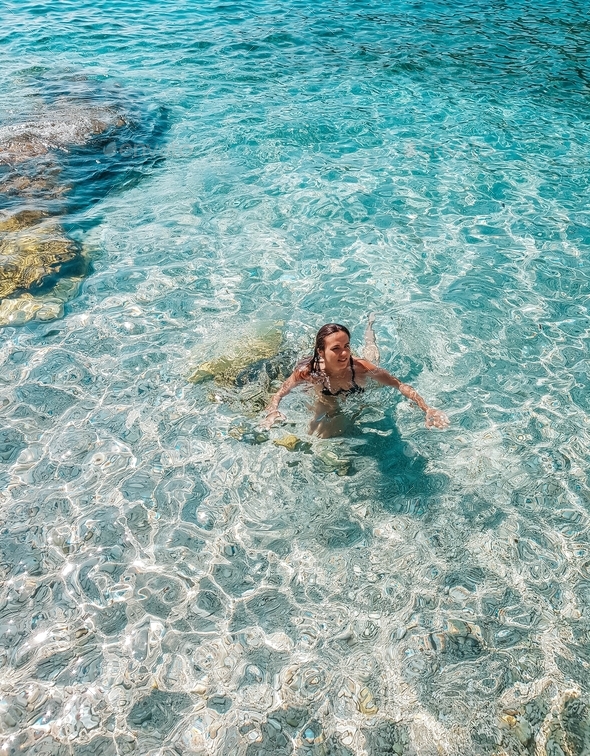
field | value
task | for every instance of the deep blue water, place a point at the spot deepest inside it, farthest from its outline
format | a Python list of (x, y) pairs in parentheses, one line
[(224, 170)]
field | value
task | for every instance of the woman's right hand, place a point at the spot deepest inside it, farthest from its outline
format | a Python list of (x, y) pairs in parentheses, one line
[(272, 417), (436, 419)]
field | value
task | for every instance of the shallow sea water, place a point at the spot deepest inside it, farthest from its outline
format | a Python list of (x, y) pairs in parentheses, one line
[(169, 586)]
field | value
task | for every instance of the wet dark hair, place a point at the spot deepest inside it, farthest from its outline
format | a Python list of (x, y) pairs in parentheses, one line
[(311, 364)]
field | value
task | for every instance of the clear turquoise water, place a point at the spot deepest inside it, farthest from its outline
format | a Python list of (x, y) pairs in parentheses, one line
[(170, 589)]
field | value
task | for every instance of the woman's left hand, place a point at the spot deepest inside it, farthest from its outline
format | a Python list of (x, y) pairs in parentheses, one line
[(436, 419)]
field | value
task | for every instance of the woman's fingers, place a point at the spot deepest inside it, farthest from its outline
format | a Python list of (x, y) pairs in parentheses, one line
[(436, 419), (271, 419)]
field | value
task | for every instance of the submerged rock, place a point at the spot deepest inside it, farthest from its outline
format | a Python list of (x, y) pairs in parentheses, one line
[(40, 268), (20, 221), (292, 443), (30, 251), (549, 727), (244, 376), (366, 703), (387, 738), (43, 307), (289, 442), (331, 462), (275, 367), (240, 359), (26, 308), (252, 436), (69, 123), (83, 139)]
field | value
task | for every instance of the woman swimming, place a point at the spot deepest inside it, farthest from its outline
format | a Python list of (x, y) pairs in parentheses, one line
[(336, 374)]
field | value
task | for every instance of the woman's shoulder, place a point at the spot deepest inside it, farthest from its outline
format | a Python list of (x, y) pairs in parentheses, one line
[(363, 366), (302, 371)]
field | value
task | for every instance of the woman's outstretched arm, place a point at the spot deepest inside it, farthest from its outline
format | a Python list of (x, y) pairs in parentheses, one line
[(434, 418), (272, 410)]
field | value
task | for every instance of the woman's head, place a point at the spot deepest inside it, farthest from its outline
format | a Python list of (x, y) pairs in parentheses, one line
[(332, 344)]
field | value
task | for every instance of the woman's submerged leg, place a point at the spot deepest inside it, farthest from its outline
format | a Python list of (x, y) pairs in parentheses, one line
[(370, 350)]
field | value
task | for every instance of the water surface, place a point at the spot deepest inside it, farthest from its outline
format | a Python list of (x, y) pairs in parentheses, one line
[(169, 586)]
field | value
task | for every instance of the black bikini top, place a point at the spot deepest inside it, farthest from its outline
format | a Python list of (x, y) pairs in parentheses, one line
[(354, 389)]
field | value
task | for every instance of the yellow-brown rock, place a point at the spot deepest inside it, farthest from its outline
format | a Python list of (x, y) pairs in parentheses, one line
[(26, 307), (22, 220), (289, 441), (366, 703), (31, 248), (44, 307), (224, 370)]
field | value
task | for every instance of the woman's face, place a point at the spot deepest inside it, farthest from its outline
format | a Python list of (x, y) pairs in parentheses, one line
[(336, 351)]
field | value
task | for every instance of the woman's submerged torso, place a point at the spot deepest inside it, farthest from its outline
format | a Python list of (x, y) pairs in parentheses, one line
[(331, 419)]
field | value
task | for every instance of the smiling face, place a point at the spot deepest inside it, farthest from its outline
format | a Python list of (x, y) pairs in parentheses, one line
[(336, 352)]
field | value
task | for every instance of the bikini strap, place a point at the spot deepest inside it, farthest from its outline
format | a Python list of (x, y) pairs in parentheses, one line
[(352, 370)]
